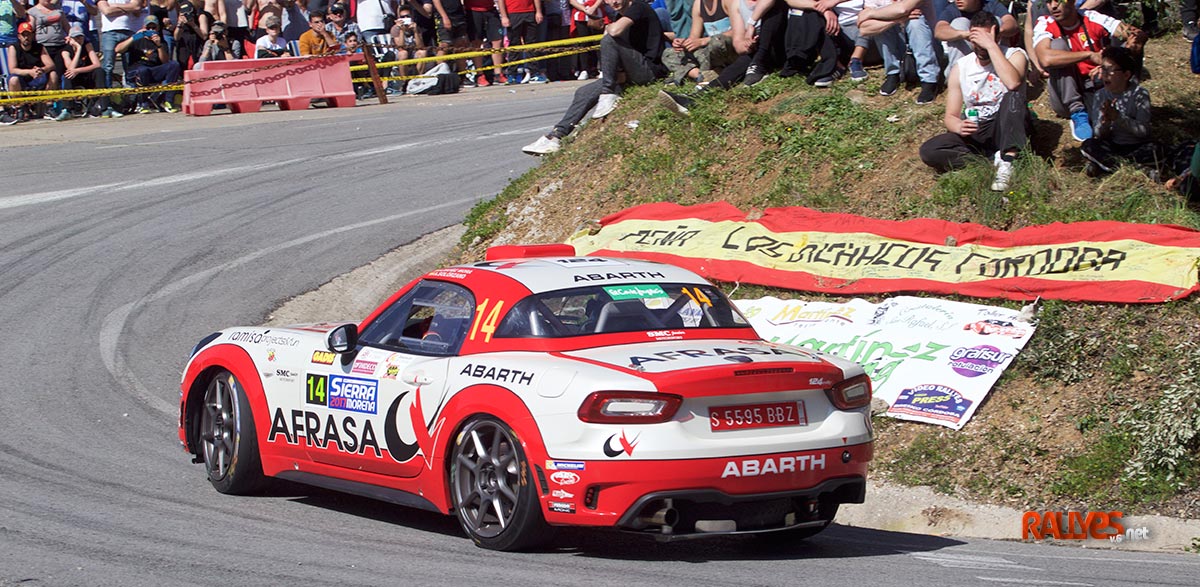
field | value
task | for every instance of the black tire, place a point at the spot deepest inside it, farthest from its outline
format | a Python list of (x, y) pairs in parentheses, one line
[(492, 488), (228, 441)]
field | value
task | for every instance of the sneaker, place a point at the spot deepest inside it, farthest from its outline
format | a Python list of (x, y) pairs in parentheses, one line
[(891, 83), (828, 80), (928, 93), (146, 109), (1190, 31), (1004, 171), (583, 76), (512, 80), (6, 120), (538, 78), (678, 103), (606, 105), (110, 113), (47, 115), (523, 75), (1095, 167), (788, 71), (481, 81), (754, 74), (857, 73), (468, 80), (63, 115), (1081, 126), (169, 108), (543, 146), (501, 80)]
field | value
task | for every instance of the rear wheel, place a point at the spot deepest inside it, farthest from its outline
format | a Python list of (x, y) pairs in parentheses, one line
[(492, 489), (228, 439)]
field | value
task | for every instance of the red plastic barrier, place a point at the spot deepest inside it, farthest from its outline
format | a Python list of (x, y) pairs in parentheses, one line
[(293, 84)]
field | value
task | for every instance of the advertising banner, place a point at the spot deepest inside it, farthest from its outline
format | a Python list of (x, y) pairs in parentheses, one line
[(804, 249), (931, 360)]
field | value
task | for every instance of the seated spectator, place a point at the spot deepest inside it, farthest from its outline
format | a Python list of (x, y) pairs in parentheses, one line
[(851, 44), (272, 44), (82, 64), (339, 25), (12, 14), (953, 32), (810, 47), (761, 42), (986, 112), (1068, 45), (317, 40), (269, 11), (149, 65), (408, 41), (217, 47), (879, 20), (1122, 126), (631, 45), (708, 48), (29, 64)]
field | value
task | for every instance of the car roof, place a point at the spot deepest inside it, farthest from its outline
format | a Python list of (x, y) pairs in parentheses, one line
[(543, 274)]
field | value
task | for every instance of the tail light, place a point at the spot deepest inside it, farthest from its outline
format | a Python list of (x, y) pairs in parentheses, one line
[(629, 407), (851, 394)]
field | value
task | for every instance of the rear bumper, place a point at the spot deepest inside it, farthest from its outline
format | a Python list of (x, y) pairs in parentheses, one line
[(704, 496)]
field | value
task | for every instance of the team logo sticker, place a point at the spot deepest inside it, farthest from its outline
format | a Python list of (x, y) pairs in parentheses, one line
[(978, 360), (617, 445)]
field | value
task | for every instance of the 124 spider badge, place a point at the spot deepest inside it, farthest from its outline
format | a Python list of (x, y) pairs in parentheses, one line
[(622, 445)]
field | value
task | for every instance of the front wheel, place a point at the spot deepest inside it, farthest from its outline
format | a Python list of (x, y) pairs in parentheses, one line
[(228, 438), (493, 492)]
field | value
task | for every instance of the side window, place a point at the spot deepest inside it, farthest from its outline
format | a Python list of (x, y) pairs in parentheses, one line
[(432, 319)]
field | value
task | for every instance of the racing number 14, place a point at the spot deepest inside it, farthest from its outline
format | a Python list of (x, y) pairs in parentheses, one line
[(316, 389), (486, 325), (697, 296)]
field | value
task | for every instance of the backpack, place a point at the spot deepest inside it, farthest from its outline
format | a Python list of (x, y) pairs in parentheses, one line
[(439, 80)]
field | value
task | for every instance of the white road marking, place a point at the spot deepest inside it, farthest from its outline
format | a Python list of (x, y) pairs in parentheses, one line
[(956, 560), (1106, 558), (152, 143), (114, 323), (1026, 581)]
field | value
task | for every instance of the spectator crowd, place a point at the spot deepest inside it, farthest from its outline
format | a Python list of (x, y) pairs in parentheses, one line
[(978, 52)]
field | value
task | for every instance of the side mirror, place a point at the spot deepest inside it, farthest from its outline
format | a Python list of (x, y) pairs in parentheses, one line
[(343, 339)]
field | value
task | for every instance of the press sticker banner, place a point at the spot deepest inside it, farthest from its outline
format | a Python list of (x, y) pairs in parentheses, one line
[(804, 249), (631, 292)]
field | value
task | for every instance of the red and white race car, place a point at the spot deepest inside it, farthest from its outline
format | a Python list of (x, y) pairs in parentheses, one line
[(992, 326), (539, 388)]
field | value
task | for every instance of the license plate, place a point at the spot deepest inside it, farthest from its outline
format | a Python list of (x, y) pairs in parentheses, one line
[(748, 416)]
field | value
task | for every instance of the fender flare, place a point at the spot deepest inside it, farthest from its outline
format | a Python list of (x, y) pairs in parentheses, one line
[(236, 360)]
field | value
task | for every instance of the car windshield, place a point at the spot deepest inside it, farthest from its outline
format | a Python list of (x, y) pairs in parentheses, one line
[(603, 309)]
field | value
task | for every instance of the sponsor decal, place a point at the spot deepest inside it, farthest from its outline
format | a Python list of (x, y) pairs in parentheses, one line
[(321, 432), (316, 389), (452, 273), (978, 360), (931, 400), (635, 292), (497, 374), (1078, 526), (271, 355), (665, 334), (562, 494), (591, 261), (323, 357), (713, 352), (799, 314), (353, 394), (263, 338), (391, 372), (621, 275), (285, 374), (562, 507), (565, 465), (364, 367), (773, 466), (819, 381), (565, 477), (621, 445), (400, 450)]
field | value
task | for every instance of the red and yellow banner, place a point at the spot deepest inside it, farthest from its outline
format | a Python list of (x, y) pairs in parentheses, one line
[(804, 249)]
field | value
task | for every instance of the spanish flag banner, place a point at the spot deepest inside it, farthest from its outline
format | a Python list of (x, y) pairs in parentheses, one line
[(804, 249)]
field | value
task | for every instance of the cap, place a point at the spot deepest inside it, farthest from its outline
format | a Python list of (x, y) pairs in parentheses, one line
[(217, 27), (338, 8), (270, 21), (24, 27), (186, 7), (76, 31), (151, 20)]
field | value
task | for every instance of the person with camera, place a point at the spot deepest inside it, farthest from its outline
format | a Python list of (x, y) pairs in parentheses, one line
[(317, 40), (150, 65), (407, 39), (189, 35), (217, 47)]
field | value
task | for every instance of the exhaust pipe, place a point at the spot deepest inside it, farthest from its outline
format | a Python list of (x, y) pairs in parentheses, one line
[(664, 516)]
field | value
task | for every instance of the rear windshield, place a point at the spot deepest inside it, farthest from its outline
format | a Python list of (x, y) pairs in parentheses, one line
[(620, 308)]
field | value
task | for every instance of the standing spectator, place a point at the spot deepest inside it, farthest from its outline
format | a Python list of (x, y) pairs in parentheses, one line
[(118, 20), (484, 28), (237, 23), (339, 24), (188, 35), (1122, 127), (632, 44), (919, 18), (1187, 15), (82, 13), (986, 111), (267, 9), (29, 64), (556, 26), (150, 65), (708, 47), (954, 35), (1068, 46), (375, 17), (317, 40), (321, 6), (408, 41), (162, 10), (586, 20), (271, 44), (522, 19), (216, 47), (50, 26), (12, 13), (452, 35), (213, 12), (82, 67), (423, 14)]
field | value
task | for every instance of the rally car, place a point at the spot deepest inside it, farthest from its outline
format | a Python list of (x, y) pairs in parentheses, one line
[(540, 389)]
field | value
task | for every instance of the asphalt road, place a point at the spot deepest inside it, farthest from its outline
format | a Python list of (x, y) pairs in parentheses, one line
[(124, 242)]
